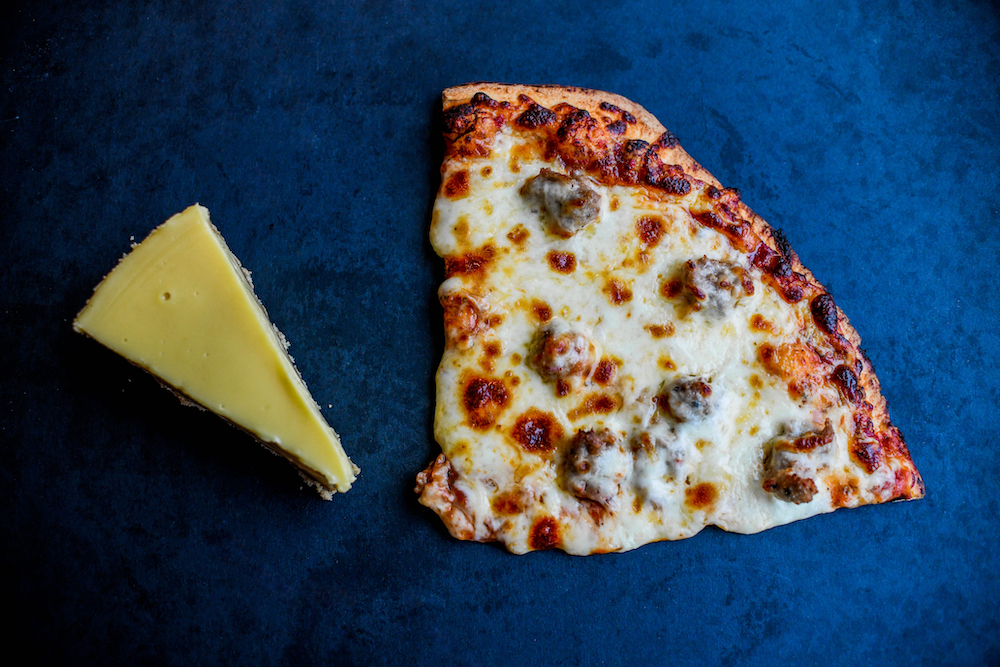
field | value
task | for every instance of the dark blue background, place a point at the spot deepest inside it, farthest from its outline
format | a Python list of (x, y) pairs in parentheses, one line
[(135, 530)]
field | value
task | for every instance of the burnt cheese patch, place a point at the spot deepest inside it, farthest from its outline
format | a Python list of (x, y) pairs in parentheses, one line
[(617, 291), (649, 229), (701, 496), (562, 262), (457, 185), (537, 432), (484, 399), (544, 534)]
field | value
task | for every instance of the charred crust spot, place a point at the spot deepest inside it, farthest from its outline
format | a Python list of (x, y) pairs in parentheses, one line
[(536, 431), (621, 113), (863, 424), (581, 142), (780, 240), (576, 121), (649, 229), (597, 144), (617, 291), (544, 534), (606, 371), (541, 310), (457, 185), (481, 99), (824, 312), (518, 235), (471, 128), (893, 443), (847, 382), (484, 399), (632, 158), (793, 294), (668, 140), (617, 127), (471, 263), (737, 230), (675, 185), (776, 267), (859, 365), (562, 262), (701, 495), (536, 116), (868, 454), (459, 119)]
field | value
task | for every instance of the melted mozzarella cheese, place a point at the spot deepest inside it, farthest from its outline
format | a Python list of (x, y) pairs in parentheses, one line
[(688, 474)]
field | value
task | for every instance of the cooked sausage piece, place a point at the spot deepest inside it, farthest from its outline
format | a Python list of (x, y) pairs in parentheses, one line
[(688, 399), (561, 352), (596, 466), (791, 488), (782, 477), (569, 202), (462, 314), (713, 285)]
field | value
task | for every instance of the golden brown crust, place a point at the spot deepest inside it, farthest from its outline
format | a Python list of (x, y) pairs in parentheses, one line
[(643, 126), (647, 127)]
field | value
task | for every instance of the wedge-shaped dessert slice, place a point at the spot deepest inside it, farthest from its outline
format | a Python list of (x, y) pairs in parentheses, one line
[(181, 307)]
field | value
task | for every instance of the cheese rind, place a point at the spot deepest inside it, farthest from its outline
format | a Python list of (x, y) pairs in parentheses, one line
[(181, 307)]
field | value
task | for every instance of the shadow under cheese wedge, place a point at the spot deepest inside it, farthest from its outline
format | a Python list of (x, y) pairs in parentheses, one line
[(181, 307)]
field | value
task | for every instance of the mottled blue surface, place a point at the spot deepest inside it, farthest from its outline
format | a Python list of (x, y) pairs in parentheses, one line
[(137, 531)]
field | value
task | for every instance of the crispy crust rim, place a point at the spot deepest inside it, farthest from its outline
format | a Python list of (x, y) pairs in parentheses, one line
[(649, 129)]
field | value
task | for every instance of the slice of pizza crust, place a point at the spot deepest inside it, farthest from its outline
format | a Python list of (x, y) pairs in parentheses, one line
[(632, 353)]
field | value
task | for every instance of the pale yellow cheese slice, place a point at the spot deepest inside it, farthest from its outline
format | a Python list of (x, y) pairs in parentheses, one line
[(181, 307)]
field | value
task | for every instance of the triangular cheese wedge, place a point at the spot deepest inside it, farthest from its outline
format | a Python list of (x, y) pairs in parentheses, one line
[(181, 307)]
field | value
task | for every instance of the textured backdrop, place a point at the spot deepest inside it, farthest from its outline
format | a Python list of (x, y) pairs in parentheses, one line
[(138, 531)]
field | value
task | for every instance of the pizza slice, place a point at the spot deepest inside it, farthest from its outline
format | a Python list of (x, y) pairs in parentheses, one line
[(631, 353)]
